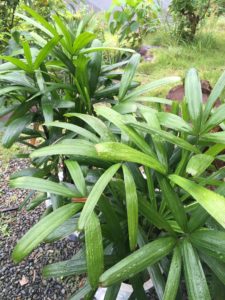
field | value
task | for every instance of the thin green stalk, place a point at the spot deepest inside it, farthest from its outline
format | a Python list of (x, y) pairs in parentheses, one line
[(151, 190)]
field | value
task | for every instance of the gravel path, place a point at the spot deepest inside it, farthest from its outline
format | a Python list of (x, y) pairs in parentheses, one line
[(24, 281)]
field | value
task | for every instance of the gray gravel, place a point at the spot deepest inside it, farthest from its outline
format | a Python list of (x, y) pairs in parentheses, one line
[(24, 281)]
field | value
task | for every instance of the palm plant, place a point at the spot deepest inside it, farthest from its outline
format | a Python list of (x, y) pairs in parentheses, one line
[(144, 189), (59, 68), (46, 82)]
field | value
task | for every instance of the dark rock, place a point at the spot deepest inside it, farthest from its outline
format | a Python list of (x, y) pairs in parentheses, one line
[(146, 53), (144, 50)]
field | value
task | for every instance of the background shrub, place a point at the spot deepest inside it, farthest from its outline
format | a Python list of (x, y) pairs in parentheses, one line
[(188, 15), (132, 20)]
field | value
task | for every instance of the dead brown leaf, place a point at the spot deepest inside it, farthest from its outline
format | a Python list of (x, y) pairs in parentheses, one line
[(23, 281)]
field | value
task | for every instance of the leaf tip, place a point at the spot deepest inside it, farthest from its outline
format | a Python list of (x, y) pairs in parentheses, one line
[(15, 256), (191, 171)]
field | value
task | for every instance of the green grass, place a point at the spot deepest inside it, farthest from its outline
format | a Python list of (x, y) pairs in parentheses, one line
[(5, 230), (6, 155), (206, 54)]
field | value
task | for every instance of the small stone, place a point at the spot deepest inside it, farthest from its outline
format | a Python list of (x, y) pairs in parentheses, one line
[(44, 282)]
